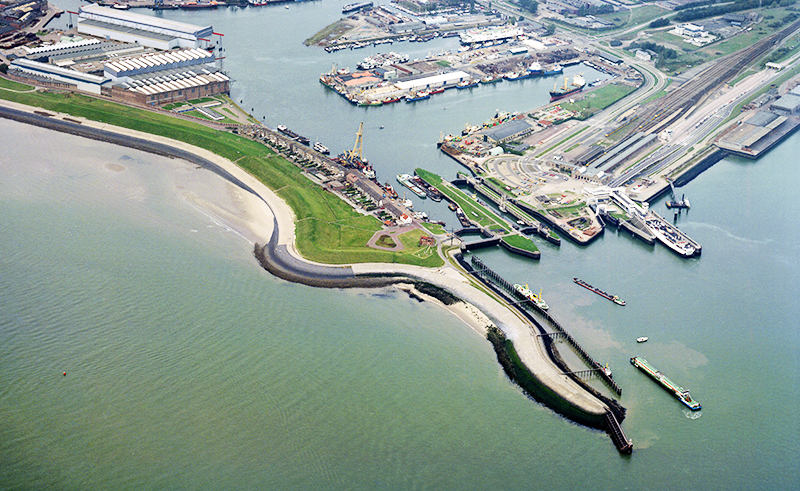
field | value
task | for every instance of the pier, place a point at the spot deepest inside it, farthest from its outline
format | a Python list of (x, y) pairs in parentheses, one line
[(482, 271)]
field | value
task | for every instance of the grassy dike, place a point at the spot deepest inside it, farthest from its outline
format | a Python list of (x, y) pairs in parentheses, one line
[(328, 229)]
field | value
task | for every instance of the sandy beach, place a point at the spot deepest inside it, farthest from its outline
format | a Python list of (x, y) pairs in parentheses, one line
[(253, 215)]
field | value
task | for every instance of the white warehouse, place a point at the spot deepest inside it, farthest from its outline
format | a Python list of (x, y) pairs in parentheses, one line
[(146, 30)]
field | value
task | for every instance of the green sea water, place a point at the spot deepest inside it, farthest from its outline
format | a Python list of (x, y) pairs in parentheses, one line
[(188, 367)]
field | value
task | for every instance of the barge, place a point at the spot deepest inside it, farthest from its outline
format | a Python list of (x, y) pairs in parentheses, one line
[(613, 298), (406, 180), (675, 389), (292, 135)]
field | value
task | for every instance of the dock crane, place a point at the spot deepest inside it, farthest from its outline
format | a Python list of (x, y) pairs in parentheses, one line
[(354, 158)]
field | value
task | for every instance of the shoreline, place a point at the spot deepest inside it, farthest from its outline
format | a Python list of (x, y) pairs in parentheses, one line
[(269, 219)]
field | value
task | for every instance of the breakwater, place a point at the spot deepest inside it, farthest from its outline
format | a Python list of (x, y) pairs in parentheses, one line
[(535, 388)]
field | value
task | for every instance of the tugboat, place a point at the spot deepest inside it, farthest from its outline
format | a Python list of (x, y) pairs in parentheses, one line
[(613, 298)]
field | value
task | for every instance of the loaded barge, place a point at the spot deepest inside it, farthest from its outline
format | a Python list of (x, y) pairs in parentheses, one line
[(613, 298), (292, 135), (676, 390)]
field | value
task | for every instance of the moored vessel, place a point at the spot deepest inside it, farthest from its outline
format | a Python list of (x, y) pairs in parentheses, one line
[(527, 293), (577, 85), (406, 180), (418, 96), (675, 389), (319, 147), (613, 298)]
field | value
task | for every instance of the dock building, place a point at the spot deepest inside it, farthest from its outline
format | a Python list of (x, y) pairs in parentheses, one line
[(146, 30)]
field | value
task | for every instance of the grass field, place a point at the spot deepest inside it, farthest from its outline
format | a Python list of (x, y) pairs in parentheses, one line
[(12, 85), (328, 230)]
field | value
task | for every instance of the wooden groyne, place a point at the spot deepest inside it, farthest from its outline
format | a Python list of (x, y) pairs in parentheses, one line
[(483, 271)]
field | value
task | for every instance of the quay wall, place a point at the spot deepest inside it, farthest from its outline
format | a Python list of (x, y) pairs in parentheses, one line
[(522, 252)]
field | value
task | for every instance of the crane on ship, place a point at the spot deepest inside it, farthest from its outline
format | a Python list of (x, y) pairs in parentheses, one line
[(354, 155), (354, 158)]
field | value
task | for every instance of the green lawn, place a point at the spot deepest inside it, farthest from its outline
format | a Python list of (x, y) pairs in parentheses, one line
[(520, 242), (328, 229), (12, 85), (474, 211)]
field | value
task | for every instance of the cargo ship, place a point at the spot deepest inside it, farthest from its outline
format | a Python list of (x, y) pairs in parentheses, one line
[(600, 292), (291, 134), (676, 390), (352, 7), (406, 181), (578, 83), (527, 293)]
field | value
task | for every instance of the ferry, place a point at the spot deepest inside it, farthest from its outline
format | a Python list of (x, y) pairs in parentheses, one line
[(676, 390), (319, 147), (527, 293), (613, 298), (406, 181)]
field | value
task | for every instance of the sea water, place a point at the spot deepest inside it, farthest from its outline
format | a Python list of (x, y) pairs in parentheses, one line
[(188, 367)]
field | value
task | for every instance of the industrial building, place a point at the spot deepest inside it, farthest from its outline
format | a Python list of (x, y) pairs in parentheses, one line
[(166, 77), (154, 32), (51, 73)]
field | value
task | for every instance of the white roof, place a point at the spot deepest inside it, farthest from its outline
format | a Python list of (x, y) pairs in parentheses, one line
[(434, 80), (126, 16)]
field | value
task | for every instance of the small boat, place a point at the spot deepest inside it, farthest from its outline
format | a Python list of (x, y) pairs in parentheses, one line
[(641, 340)]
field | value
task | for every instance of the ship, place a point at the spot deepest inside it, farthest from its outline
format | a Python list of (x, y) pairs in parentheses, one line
[(406, 181), (433, 193), (516, 75), (490, 79), (567, 89), (352, 7), (319, 147), (642, 339), (535, 69), (676, 390), (465, 84), (462, 218), (553, 70), (292, 135), (527, 293), (600, 292), (198, 5), (437, 90), (418, 96)]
